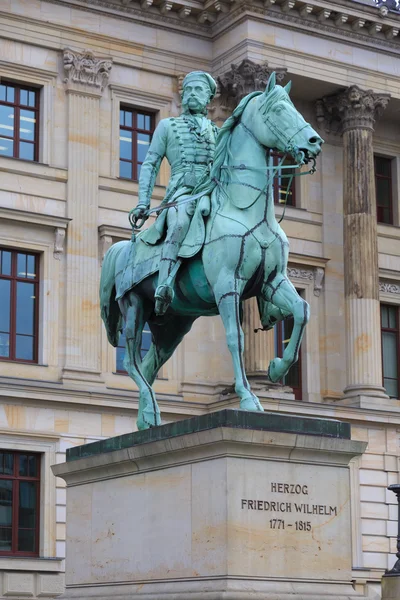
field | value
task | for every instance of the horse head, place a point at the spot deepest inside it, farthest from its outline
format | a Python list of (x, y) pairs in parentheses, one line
[(277, 124)]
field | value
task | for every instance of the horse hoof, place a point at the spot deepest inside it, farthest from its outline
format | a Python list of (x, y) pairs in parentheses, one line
[(276, 370), (148, 419), (251, 403)]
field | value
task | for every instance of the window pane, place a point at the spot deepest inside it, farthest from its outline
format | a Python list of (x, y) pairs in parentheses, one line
[(147, 122), (31, 270), (7, 120), (32, 465), (383, 192), (141, 120), (23, 465), (6, 502), (389, 349), (125, 144), (383, 166), (26, 540), (128, 119), (32, 99), (4, 345), (21, 265), (143, 144), (5, 267), (26, 151), (25, 308), (23, 97), (2, 93), (5, 539), (125, 169), (121, 117), (391, 387), (146, 341), (27, 125), (384, 316), (120, 359), (24, 347), (6, 463), (6, 147), (392, 317), (5, 296), (27, 504), (10, 94)]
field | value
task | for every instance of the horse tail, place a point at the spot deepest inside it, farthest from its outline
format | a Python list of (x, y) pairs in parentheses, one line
[(109, 308)]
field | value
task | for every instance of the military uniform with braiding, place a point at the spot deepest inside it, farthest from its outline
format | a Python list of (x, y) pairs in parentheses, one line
[(188, 143)]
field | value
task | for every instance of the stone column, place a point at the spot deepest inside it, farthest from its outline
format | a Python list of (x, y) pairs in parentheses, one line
[(258, 347), (355, 111), (85, 79)]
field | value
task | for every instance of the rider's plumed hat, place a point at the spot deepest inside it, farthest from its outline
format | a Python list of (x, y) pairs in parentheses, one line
[(205, 78)]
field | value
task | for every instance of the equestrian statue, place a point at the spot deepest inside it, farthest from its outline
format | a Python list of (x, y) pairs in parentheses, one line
[(215, 242)]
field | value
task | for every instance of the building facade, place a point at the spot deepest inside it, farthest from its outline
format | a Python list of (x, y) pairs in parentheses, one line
[(83, 84)]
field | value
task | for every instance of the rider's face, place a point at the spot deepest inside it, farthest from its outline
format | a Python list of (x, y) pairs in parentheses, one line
[(196, 96)]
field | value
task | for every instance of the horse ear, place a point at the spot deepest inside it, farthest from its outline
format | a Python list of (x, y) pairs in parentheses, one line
[(288, 87), (271, 83)]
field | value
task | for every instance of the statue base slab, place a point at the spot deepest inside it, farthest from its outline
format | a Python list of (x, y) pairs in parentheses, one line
[(391, 587), (227, 506)]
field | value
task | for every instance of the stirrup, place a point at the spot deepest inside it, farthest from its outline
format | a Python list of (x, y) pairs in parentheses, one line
[(163, 297)]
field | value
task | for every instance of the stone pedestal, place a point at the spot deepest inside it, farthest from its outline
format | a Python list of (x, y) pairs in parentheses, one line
[(391, 587), (231, 505)]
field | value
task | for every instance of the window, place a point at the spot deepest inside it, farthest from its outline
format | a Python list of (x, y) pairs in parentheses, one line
[(146, 341), (135, 131), (383, 184), (283, 193), (19, 503), (19, 293), (19, 121), (283, 331), (390, 349)]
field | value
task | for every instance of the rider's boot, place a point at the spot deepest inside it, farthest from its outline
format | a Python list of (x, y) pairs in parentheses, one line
[(164, 292)]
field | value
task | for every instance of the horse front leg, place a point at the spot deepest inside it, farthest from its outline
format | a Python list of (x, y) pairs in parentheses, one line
[(228, 307), (283, 294)]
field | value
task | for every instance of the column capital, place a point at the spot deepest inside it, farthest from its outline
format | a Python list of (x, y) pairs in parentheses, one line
[(352, 108), (86, 73)]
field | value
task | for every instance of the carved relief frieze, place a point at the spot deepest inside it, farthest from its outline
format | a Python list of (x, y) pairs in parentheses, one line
[(388, 287), (315, 275), (83, 68)]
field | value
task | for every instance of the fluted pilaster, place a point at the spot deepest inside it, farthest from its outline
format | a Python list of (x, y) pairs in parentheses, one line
[(259, 347), (85, 79), (355, 112)]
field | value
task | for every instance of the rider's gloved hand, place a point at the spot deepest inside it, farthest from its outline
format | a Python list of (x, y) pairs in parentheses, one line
[(140, 212)]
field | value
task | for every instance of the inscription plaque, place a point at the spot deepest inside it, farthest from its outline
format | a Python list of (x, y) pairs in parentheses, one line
[(294, 513)]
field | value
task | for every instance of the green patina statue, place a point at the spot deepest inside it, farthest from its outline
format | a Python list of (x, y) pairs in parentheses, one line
[(231, 249)]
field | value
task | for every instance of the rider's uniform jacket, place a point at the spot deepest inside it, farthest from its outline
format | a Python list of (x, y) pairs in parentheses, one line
[(188, 143)]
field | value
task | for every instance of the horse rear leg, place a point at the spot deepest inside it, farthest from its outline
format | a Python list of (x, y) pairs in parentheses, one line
[(166, 338), (132, 307), (283, 294)]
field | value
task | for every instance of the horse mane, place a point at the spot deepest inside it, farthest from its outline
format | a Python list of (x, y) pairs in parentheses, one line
[(222, 145)]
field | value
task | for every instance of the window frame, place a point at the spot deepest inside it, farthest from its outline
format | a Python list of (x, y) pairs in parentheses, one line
[(276, 158), (17, 107), (397, 334), (13, 304), (390, 179), (134, 131), (15, 489)]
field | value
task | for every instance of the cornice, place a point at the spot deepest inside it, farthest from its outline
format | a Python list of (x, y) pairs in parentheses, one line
[(342, 19), (13, 214)]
